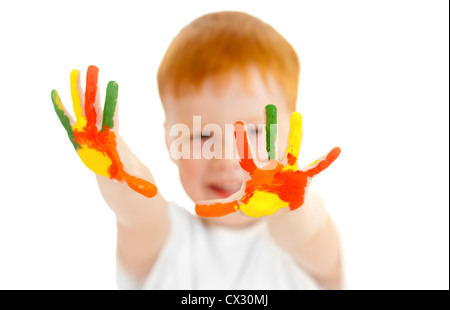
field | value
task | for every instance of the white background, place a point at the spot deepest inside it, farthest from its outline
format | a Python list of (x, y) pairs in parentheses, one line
[(374, 81)]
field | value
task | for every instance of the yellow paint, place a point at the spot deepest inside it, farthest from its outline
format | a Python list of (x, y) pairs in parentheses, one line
[(314, 162), (95, 160), (295, 139), (58, 101), (81, 119), (263, 203)]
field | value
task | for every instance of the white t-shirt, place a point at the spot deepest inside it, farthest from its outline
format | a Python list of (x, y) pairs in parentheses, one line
[(196, 256)]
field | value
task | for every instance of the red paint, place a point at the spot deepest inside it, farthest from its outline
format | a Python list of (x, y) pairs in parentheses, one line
[(291, 159), (91, 92), (243, 148)]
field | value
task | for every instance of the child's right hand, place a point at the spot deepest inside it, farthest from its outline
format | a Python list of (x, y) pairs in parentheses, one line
[(95, 142), (142, 223)]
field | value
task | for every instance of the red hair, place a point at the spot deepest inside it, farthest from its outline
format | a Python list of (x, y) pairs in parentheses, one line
[(217, 43)]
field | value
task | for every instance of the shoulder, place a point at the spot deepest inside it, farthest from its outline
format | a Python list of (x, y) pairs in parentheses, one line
[(180, 218)]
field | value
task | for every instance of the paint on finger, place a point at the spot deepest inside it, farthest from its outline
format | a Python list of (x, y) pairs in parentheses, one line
[(216, 209), (243, 147), (112, 93), (141, 186), (295, 138), (90, 96), (64, 119), (76, 100), (271, 130), (322, 163)]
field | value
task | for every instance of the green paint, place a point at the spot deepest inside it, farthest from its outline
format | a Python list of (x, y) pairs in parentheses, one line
[(65, 121), (112, 92), (271, 130)]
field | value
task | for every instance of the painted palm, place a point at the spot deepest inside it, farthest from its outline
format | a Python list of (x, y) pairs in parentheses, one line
[(274, 186), (94, 138)]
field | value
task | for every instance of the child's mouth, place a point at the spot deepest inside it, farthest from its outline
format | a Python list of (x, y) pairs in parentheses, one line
[(224, 190)]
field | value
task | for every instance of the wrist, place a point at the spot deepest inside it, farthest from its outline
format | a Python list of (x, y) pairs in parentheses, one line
[(303, 223)]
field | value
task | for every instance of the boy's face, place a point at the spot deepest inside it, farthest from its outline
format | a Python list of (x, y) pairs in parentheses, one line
[(216, 178)]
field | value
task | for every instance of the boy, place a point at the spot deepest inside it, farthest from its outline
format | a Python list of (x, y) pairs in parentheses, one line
[(223, 67)]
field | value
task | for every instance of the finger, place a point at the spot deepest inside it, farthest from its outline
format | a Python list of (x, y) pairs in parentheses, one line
[(98, 108), (77, 100), (322, 163), (110, 115), (243, 147), (220, 207), (216, 209), (271, 131), (64, 117), (141, 186), (138, 179), (92, 95), (295, 139)]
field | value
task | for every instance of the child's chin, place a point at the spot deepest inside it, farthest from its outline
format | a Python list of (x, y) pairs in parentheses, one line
[(233, 220)]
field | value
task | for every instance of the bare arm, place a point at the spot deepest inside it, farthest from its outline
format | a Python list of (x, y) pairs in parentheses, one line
[(309, 235), (125, 183), (142, 223)]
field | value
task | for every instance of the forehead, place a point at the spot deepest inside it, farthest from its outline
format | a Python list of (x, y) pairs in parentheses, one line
[(226, 99)]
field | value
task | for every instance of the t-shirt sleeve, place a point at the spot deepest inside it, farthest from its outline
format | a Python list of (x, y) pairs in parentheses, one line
[(180, 221)]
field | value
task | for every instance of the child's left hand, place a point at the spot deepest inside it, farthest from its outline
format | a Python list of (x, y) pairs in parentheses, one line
[(274, 186)]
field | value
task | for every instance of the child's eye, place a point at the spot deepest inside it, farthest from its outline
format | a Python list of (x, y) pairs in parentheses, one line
[(199, 137), (253, 131)]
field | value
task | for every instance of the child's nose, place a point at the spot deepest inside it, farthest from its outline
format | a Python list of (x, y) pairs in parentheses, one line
[(225, 164)]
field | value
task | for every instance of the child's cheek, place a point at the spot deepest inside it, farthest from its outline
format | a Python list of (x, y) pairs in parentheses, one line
[(192, 175)]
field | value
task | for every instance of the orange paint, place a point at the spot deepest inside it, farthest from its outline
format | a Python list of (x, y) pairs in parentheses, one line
[(105, 142)]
